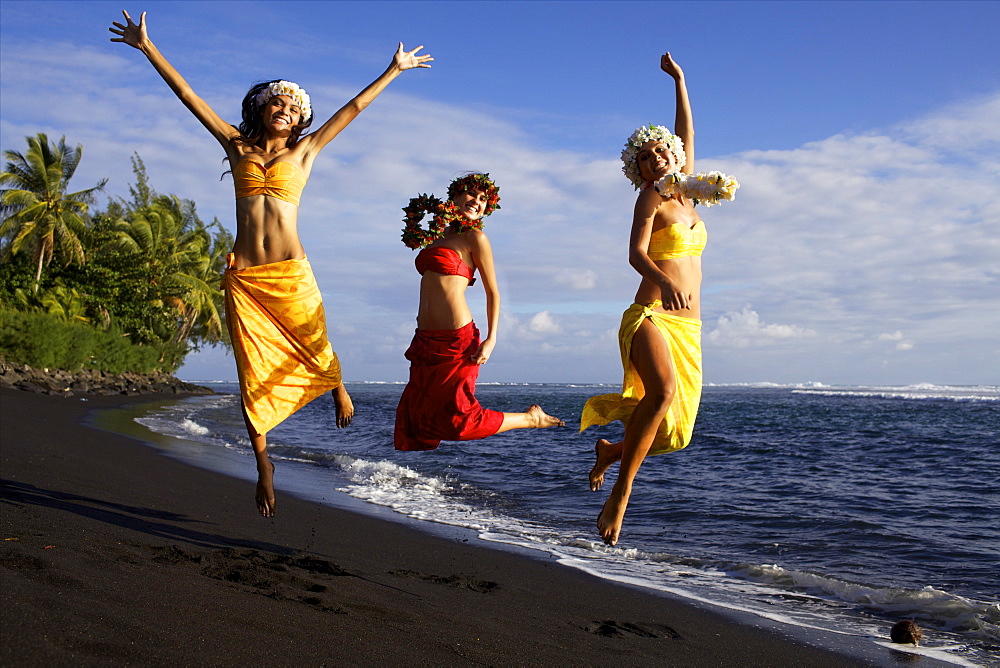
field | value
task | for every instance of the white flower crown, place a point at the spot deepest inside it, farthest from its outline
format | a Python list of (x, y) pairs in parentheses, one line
[(641, 136), (708, 188), (292, 90)]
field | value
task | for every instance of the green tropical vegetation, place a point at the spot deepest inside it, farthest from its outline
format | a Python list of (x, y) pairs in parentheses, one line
[(131, 287)]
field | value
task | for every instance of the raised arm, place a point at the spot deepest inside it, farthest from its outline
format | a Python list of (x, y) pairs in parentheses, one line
[(402, 60), (135, 36), (683, 120), (482, 257)]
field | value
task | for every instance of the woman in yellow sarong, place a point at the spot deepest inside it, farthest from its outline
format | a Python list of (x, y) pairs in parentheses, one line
[(660, 333), (273, 307)]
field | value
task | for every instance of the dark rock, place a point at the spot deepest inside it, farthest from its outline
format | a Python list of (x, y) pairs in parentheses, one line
[(30, 387), (9, 377), (91, 381)]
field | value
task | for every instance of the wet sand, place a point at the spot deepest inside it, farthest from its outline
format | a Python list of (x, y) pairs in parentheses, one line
[(113, 553)]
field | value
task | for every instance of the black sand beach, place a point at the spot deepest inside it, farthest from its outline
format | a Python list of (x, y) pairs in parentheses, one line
[(113, 554)]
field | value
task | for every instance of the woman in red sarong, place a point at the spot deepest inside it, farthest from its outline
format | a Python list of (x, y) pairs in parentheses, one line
[(439, 402)]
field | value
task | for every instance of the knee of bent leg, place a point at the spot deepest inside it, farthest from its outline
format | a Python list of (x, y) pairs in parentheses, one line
[(662, 395)]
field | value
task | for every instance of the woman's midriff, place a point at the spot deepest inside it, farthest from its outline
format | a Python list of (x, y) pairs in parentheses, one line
[(685, 274), (442, 302), (266, 232)]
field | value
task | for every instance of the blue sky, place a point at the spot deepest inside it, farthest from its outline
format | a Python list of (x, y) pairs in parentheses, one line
[(862, 248)]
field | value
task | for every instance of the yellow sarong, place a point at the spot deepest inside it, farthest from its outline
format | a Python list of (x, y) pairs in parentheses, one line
[(278, 328), (683, 337)]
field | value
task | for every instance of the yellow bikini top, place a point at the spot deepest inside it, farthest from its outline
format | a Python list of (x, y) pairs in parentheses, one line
[(677, 240), (282, 180)]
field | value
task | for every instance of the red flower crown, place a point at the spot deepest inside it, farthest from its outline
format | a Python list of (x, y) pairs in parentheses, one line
[(477, 181), (446, 213)]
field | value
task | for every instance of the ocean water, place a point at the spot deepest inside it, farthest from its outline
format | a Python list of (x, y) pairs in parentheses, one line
[(836, 508)]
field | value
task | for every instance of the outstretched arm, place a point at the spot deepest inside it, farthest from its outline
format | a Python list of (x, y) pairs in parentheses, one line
[(683, 120), (402, 60), (135, 36), (482, 256)]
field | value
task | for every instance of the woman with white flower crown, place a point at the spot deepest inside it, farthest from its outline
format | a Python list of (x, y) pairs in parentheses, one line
[(273, 307), (660, 334)]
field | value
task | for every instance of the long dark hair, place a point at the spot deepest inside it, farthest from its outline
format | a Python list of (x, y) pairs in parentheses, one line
[(252, 128)]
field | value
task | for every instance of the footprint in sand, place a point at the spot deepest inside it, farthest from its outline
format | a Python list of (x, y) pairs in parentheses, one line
[(613, 629), (283, 577), (482, 586)]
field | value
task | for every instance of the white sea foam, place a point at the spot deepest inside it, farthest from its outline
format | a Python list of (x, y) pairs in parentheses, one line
[(181, 420), (915, 392), (939, 653), (768, 591), (192, 427), (947, 610), (771, 385), (413, 494)]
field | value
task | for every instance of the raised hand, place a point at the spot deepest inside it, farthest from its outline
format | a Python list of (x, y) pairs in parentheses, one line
[(668, 65), (406, 60), (131, 34)]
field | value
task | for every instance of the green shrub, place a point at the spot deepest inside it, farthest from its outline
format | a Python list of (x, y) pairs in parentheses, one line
[(46, 342)]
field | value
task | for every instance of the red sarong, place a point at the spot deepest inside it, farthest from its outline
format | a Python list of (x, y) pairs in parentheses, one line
[(439, 403)]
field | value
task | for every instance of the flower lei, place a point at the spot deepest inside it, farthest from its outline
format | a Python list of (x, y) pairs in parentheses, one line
[(708, 188), (446, 213), (642, 135), (292, 90)]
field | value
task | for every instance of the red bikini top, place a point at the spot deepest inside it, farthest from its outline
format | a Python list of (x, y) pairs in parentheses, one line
[(445, 261)]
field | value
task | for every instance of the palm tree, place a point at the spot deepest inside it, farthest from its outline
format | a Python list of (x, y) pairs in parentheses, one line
[(200, 306), (184, 260), (38, 213), (64, 303)]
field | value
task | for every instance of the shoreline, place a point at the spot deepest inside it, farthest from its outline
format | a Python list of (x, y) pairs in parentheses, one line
[(118, 551)]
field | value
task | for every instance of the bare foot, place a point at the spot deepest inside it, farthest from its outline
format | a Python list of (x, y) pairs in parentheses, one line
[(344, 406), (265, 492), (541, 419), (607, 454), (609, 522)]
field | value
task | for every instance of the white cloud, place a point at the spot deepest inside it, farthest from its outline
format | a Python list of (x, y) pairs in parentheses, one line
[(538, 327), (897, 337), (577, 279), (856, 237), (744, 328), (966, 126), (544, 323)]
